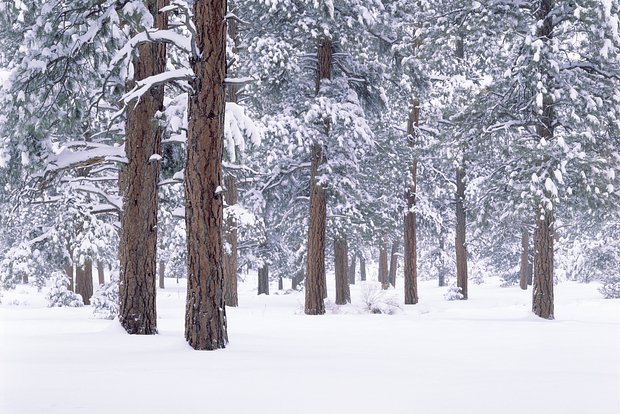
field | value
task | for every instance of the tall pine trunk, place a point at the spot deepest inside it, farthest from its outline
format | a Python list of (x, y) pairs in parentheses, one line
[(343, 294), (393, 263), (205, 312), (162, 274), (316, 289), (410, 248), (362, 268), (459, 242), (542, 301), (263, 279), (138, 241), (442, 264), (69, 272), (383, 267), (230, 258), (84, 281), (525, 253), (101, 272), (352, 269)]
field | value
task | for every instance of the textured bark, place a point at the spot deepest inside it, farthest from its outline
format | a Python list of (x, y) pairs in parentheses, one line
[(393, 263), (410, 247), (84, 281), (205, 313), (263, 280), (69, 273), (316, 289), (460, 243), (525, 254), (138, 241), (362, 268), (230, 258), (101, 272), (162, 274), (351, 270), (383, 267), (343, 294)]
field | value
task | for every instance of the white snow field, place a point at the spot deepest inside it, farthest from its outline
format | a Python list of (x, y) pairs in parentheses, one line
[(487, 355)]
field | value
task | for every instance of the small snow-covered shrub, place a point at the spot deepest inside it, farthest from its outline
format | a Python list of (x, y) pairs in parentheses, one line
[(59, 294), (376, 300), (453, 293), (105, 300), (611, 287)]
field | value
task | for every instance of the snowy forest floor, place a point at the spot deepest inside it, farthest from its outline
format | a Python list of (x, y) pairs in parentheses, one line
[(485, 355)]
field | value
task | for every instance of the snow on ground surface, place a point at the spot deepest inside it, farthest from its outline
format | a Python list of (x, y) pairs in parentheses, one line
[(485, 355)]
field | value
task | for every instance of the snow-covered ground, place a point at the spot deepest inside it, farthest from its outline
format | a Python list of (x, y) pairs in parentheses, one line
[(484, 355)]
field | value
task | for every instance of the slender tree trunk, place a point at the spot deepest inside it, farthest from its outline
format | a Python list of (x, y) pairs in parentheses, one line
[(316, 289), (263, 279), (442, 264), (101, 272), (230, 258), (352, 269), (162, 274), (69, 273), (84, 281), (280, 283), (393, 263), (297, 278), (138, 244), (362, 268), (542, 301), (383, 267), (25, 278), (460, 244), (525, 254), (410, 248), (205, 312), (343, 295)]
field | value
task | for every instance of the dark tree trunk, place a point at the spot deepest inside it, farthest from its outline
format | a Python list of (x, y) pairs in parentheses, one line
[(393, 263), (69, 273), (343, 295), (362, 268), (542, 302), (263, 280), (460, 244), (138, 243), (162, 274), (352, 269), (280, 283), (205, 312), (297, 279), (383, 267), (316, 289), (25, 278), (230, 258), (410, 248), (442, 265), (84, 281), (525, 254), (101, 272)]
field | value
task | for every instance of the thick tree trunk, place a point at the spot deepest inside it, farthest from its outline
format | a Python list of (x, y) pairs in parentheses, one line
[(393, 263), (263, 279), (542, 301), (460, 244), (316, 289), (205, 312), (138, 244), (343, 295), (84, 281), (69, 273), (352, 269), (230, 258), (362, 268), (410, 248), (101, 272), (162, 274), (383, 267), (525, 254)]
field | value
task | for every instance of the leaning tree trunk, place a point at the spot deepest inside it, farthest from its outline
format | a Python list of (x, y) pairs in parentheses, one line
[(410, 248), (393, 263), (343, 294), (542, 302), (205, 313), (162, 274), (263, 279), (352, 269), (362, 268), (316, 289), (230, 258), (383, 267), (101, 272), (84, 281), (461, 248), (138, 241), (525, 253)]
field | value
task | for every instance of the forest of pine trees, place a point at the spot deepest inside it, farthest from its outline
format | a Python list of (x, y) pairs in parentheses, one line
[(198, 139)]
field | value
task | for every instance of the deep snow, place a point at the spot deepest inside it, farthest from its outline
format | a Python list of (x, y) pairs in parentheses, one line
[(485, 355)]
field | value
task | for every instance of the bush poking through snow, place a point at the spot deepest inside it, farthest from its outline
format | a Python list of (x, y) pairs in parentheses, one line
[(453, 293), (376, 300), (105, 300), (611, 288), (60, 296)]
